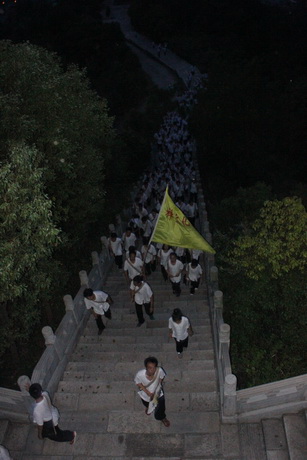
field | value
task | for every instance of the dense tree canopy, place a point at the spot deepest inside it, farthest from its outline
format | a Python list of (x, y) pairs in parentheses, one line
[(55, 138)]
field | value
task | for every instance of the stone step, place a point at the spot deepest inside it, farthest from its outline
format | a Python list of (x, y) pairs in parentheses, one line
[(144, 330), (296, 433), (96, 373), (197, 341), (252, 441), (109, 386), (145, 346), (130, 321), (275, 439), (138, 356), (150, 440), (129, 400), (121, 369), (188, 308)]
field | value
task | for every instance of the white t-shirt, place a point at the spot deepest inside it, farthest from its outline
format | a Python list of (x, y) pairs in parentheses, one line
[(128, 240), (150, 253), (194, 274), (174, 269), (43, 410), (116, 246), (179, 331), (164, 256), (141, 378), (133, 269), (143, 293), (99, 305)]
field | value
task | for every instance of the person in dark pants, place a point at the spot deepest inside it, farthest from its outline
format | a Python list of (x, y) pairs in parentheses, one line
[(149, 383), (45, 415), (179, 329), (99, 303), (174, 270), (141, 294)]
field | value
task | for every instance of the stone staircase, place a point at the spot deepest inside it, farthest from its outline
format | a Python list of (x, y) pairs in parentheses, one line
[(97, 396)]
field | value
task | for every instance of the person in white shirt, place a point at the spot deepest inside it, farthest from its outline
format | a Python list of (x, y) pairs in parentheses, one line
[(174, 270), (133, 266), (128, 238), (116, 249), (194, 275), (146, 227), (99, 303), (133, 249), (141, 294), (149, 254), (149, 382), (163, 256), (179, 329), (191, 211), (45, 415)]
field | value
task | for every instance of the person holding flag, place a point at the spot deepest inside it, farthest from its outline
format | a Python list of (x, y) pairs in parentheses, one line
[(173, 228)]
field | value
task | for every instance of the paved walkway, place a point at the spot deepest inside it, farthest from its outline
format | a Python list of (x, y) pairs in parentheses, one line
[(119, 13)]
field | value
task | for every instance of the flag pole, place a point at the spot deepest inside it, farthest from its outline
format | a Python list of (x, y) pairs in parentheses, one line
[(158, 216)]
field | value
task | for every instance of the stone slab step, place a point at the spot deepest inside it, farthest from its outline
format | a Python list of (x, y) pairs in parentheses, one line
[(124, 315), (128, 400), (148, 347), (252, 441), (162, 445), (91, 329), (196, 342), (138, 356), (94, 386), (96, 374), (275, 439), (296, 433)]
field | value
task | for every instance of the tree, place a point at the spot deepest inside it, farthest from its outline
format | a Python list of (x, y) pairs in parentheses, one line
[(264, 283), (28, 236), (41, 104), (277, 241)]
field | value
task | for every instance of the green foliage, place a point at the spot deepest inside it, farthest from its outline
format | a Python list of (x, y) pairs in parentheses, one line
[(277, 241), (42, 105), (27, 239)]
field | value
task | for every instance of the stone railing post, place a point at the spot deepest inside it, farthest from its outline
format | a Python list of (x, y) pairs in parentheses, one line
[(96, 261), (95, 258), (218, 306), (224, 337), (83, 278), (70, 306), (24, 383), (49, 335), (230, 395), (214, 274)]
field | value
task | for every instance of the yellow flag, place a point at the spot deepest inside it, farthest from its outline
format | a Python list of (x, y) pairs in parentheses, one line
[(173, 228)]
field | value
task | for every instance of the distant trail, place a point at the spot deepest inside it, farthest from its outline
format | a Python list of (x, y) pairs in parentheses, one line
[(165, 69)]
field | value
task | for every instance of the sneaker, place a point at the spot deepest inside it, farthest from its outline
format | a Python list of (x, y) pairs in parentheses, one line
[(100, 331), (74, 438), (140, 323), (179, 355), (191, 293)]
